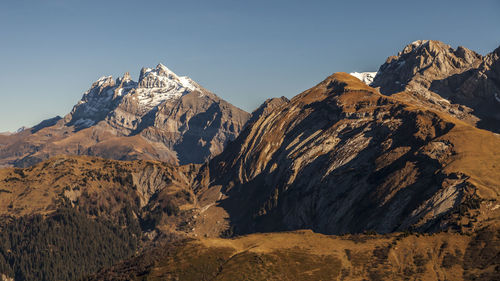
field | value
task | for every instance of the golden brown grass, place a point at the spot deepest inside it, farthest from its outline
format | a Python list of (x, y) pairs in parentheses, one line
[(304, 255)]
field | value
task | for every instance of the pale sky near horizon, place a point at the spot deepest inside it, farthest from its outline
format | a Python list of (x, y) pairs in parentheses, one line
[(244, 51)]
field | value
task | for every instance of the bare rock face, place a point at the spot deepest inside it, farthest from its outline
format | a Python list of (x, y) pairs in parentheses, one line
[(267, 107), (343, 158), (96, 103), (197, 126), (99, 187), (161, 117), (458, 81), (422, 62)]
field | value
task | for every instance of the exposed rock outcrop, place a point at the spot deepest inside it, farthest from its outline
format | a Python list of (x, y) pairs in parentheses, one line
[(456, 81)]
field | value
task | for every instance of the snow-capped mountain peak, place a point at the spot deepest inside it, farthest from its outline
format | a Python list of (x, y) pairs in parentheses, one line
[(159, 84), (154, 87), (157, 77), (103, 80)]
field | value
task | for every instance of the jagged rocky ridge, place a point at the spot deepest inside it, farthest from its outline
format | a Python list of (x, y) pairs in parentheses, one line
[(160, 117), (458, 81)]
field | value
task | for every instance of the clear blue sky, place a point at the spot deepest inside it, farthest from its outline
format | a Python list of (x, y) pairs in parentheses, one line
[(244, 51)]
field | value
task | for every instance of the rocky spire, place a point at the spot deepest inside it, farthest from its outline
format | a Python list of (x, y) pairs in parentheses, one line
[(126, 77), (125, 81), (159, 77)]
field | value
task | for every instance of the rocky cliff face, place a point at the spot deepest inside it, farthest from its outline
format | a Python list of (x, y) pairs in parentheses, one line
[(342, 158), (146, 193), (456, 81), (161, 117)]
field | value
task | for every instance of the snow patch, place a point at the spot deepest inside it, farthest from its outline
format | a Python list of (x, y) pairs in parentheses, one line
[(188, 83), (366, 77), (419, 42), (152, 97), (103, 79)]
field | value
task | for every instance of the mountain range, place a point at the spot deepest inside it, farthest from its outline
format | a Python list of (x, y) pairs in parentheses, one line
[(394, 173)]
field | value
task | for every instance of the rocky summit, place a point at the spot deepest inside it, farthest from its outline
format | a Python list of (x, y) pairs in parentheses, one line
[(457, 81), (163, 117)]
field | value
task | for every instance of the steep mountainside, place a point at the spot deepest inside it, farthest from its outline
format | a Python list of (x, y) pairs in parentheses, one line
[(160, 117), (98, 187), (342, 158), (69, 216), (457, 81)]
